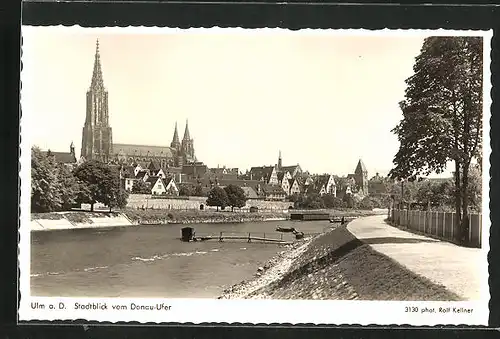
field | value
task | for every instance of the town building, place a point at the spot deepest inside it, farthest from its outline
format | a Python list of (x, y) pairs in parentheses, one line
[(66, 158)]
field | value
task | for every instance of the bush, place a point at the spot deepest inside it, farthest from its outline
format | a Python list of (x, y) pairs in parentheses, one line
[(366, 204)]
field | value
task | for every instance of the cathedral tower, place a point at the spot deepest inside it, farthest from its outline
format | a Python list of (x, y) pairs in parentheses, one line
[(97, 141), (187, 147)]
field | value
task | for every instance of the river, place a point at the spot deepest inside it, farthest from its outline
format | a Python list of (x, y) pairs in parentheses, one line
[(150, 261)]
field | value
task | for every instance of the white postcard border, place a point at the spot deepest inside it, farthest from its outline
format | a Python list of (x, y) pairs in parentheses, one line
[(256, 311)]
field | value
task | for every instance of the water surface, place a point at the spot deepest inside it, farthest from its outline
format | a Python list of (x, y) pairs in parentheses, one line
[(150, 261)]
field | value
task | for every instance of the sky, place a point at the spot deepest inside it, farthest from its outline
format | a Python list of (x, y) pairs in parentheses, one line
[(324, 100)]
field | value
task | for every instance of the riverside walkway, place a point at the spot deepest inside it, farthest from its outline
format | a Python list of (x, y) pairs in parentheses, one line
[(461, 270)]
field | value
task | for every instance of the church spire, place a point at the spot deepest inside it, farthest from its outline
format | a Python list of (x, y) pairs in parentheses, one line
[(175, 140), (97, 80), (186, 132), (279, 161)]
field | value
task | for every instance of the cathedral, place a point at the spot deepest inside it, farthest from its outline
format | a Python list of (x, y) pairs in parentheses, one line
[(97, 136)]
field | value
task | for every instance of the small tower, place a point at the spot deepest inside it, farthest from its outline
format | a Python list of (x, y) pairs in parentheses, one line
[(187, 146), (279, 162), (175, 140), (72, 149), (361, 175)]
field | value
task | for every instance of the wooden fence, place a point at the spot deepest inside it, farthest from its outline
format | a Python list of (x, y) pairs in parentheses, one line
[(437, 224)]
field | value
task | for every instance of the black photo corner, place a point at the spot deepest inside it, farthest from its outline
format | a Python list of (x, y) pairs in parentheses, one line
[(185, 14)]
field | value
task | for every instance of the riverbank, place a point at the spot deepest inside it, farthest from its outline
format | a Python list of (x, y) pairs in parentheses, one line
[(160, 217), (336, 265), (77, 220), (130, 217)]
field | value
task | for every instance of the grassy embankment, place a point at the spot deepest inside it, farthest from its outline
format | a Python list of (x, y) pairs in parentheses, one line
[(336, 265)]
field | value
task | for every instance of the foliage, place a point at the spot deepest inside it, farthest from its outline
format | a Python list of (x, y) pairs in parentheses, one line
[(366, 204), (349, 201), (442, 115), (70, 187), (309, 201), (185, 190), (435, 193), (120, 199), (46, 187), (293, 198), (198, 191), (140, 187), (217, 197), (330, 201), (475, 188), (236, 196), (102, 183)]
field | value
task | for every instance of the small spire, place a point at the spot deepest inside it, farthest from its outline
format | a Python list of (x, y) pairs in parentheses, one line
[(97, 80), (175, 140), (186, 132)]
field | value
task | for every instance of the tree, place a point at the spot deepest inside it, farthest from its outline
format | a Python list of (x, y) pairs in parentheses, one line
[(69, 187), (119, 199), (185, 190), (475, 187), (198, 191), (101, 181), (45, 186), (330, 201), (217, 197), (366, 204), (140, 187), (442, 116), (236, 196)]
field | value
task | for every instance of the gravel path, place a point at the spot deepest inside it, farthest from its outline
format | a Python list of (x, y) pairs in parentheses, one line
[(459, 269)]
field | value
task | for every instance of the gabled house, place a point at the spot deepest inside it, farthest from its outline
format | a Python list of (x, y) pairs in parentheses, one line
[(294, 170), (273, 192), (283, 181), (158, 173), (294, 186), (267, 174), (128, 183), (249, 192), (160, 186), (325, 184), (142, 175)]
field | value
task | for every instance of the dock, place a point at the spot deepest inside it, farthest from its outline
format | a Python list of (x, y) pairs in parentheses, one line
[(188, 235)]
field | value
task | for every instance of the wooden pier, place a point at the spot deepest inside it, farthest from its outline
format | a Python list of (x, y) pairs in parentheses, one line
[(277, 238)]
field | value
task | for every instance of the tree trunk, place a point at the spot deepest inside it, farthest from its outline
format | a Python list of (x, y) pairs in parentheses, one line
[(217, 208), (465, 205), (458, 200), (92, 207)]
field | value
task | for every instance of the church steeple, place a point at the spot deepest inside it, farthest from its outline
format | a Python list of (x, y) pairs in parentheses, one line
[(279, 161), (97, 138), (187, 146), (97, 80), (186, 132), (175, 140)]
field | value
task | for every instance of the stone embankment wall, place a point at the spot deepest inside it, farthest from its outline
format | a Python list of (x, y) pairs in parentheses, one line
[(193, 203)]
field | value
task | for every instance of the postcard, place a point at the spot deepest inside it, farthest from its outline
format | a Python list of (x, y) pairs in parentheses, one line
[(231, 175)]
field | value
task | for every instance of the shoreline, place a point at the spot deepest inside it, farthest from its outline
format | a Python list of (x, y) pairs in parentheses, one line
[(43, 222), (335, 265)]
